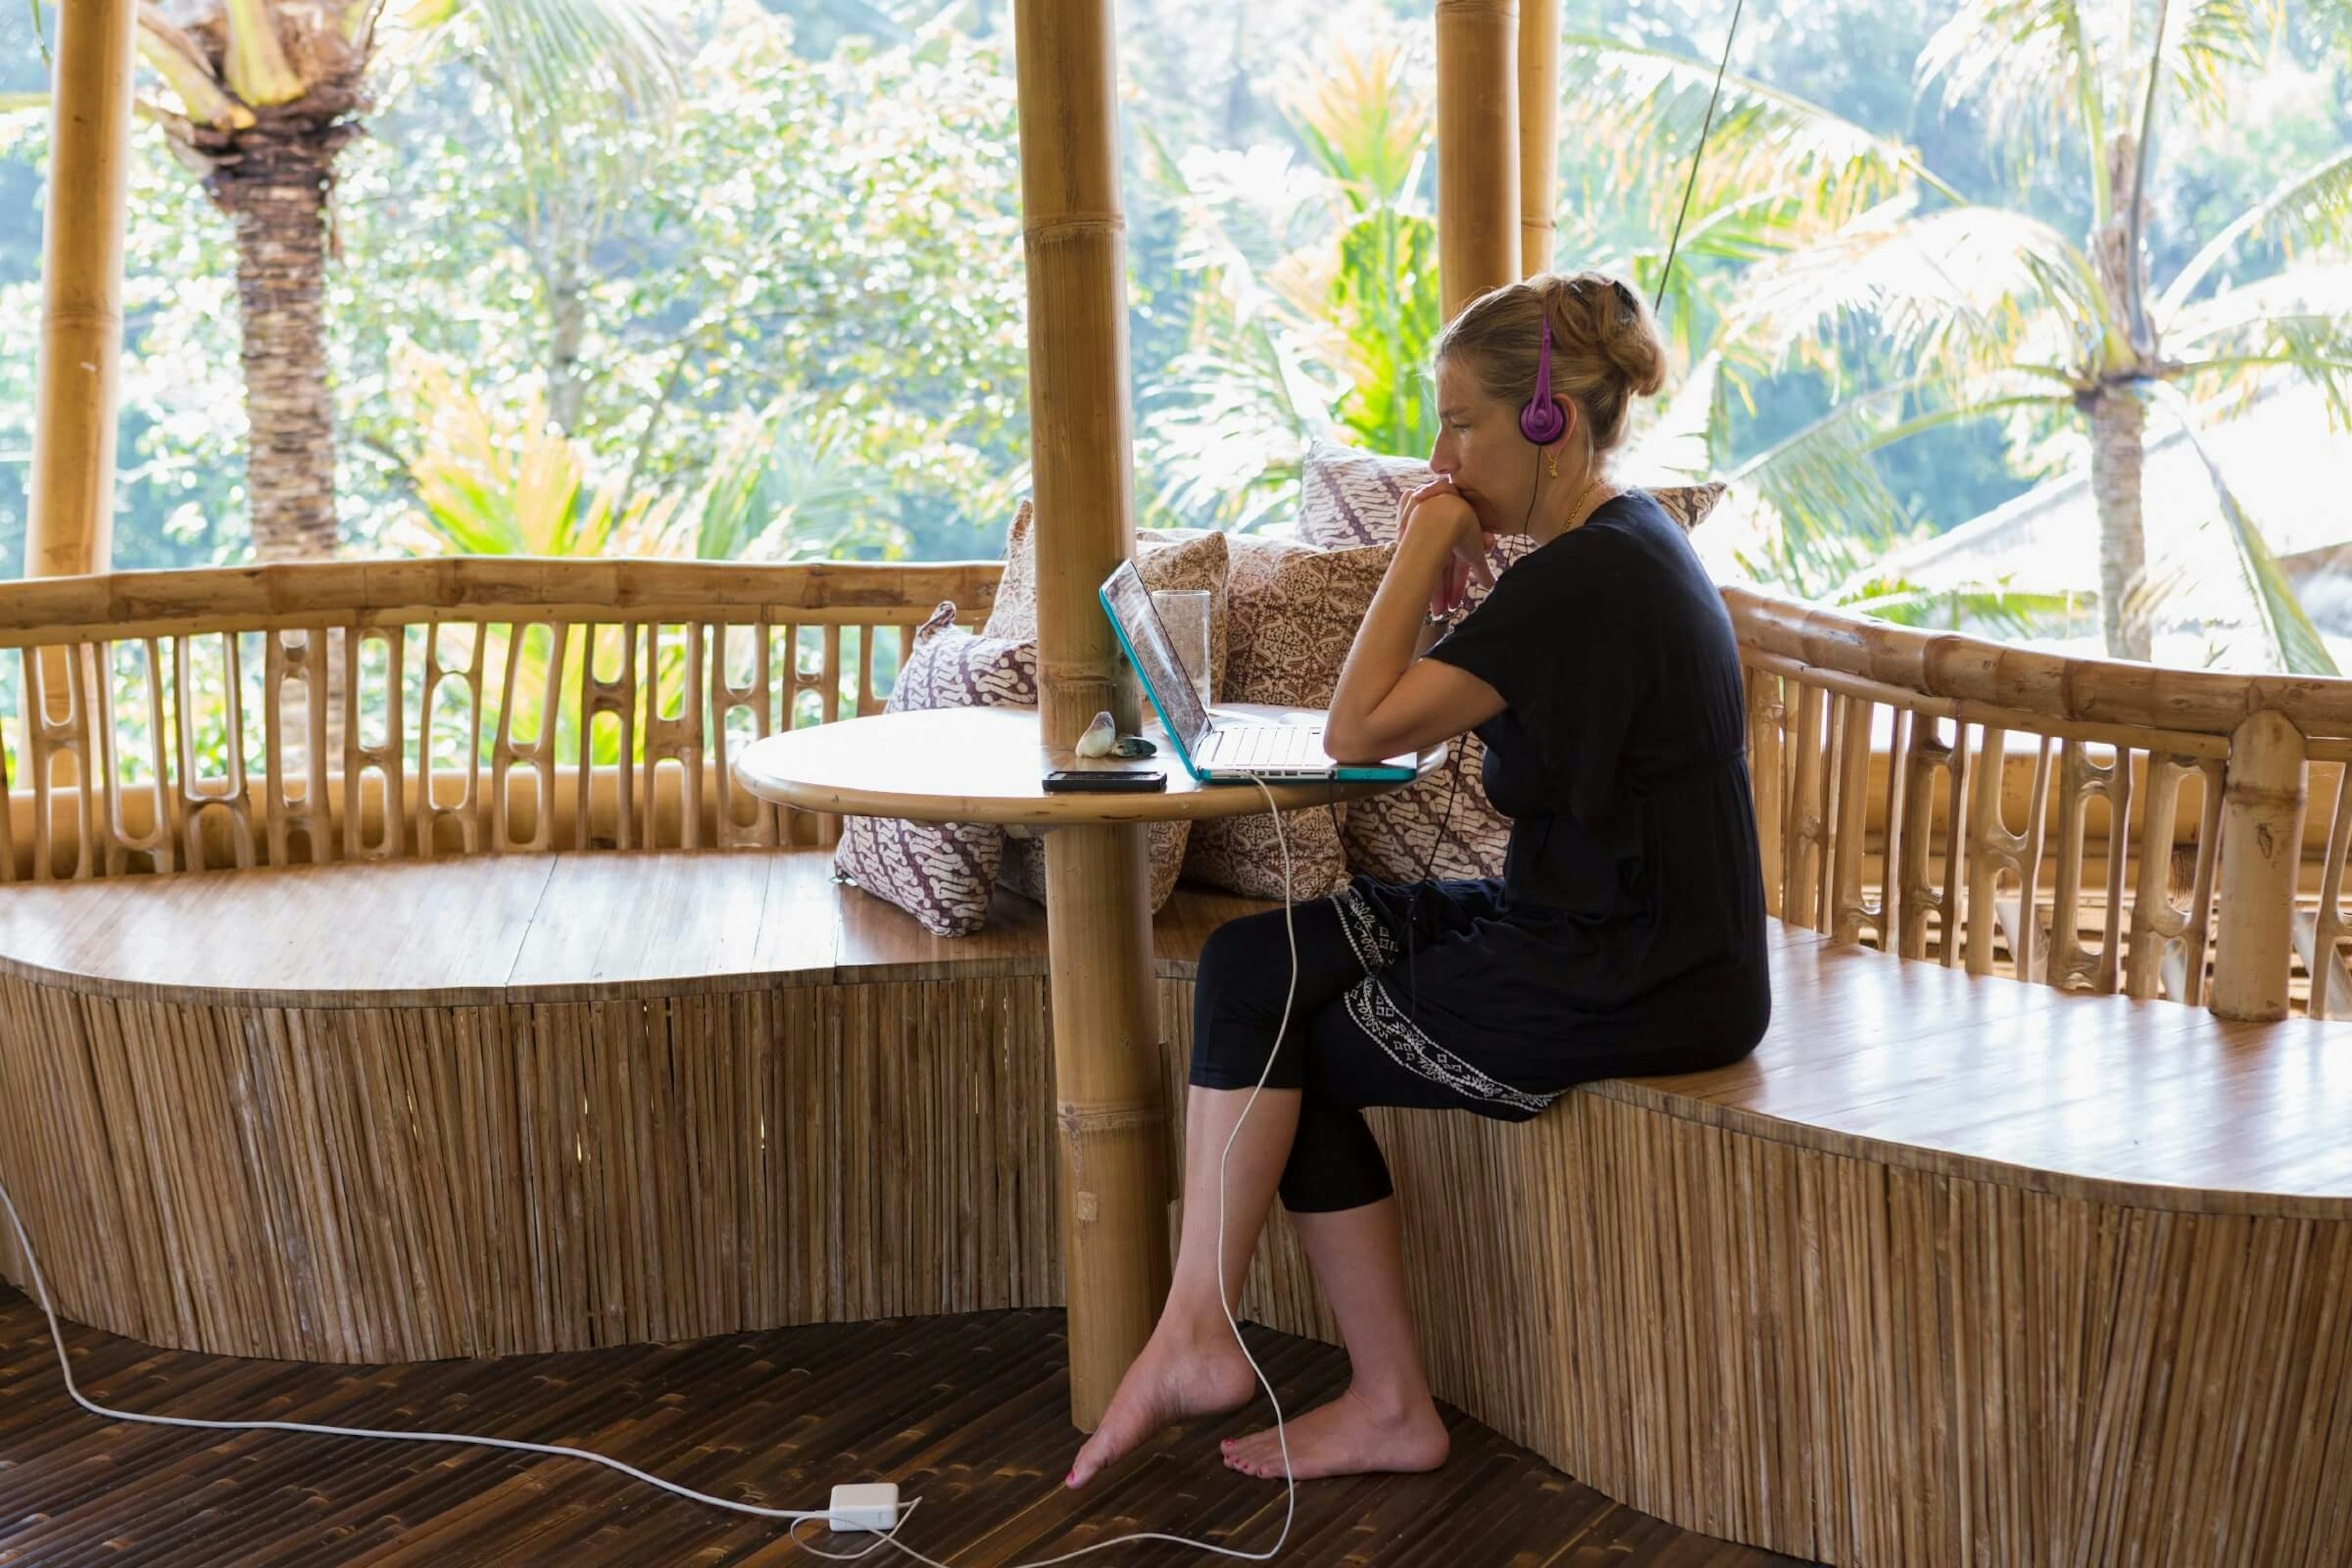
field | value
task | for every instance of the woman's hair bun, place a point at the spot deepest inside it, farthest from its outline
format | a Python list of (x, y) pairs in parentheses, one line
[(1594, 308)]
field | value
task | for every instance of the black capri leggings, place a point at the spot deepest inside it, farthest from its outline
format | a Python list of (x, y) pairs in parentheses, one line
[(1407, 996), (1329, 1055)]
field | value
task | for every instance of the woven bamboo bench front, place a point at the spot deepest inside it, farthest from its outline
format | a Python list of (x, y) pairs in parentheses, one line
[(1950, 1259)]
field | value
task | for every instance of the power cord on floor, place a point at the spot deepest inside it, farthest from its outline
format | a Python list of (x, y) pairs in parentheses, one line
[(796, 1516)]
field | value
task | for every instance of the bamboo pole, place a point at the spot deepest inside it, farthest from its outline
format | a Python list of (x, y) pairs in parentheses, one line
[(1477, 147), (2262, 844), (1111, 1108), (71, 523), (1539, 132), (1075, 231)]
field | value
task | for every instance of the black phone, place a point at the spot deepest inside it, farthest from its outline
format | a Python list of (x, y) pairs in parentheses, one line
[(1106, 780)]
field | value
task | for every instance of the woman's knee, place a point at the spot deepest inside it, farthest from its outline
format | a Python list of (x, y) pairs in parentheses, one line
[(1240, 987), (1244, 964), (1335, 1163)]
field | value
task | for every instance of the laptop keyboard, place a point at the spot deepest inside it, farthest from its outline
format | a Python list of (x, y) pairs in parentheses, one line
[(1266, 746)]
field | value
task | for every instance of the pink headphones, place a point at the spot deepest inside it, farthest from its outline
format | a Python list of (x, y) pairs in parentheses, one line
[(1540, 420)]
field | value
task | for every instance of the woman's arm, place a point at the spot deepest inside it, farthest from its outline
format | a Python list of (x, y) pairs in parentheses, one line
[(1390, 699)]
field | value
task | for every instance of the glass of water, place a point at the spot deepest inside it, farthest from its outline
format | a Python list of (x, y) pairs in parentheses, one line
[(1185, 613)]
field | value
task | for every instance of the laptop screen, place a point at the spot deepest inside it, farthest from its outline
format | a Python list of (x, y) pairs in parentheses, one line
[(1130, 607)]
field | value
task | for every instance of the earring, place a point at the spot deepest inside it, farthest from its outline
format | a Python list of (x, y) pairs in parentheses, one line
[(1552, 463)]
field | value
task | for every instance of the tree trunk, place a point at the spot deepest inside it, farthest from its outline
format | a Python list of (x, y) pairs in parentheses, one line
[(276, 194), (2118, 417), (567, 391), (2118, 422)]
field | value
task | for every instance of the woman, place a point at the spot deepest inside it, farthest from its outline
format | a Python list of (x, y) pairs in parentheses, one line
[(1625, 935)]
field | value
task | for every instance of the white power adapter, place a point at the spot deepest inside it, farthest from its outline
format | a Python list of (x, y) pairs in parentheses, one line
[(873, 1505)]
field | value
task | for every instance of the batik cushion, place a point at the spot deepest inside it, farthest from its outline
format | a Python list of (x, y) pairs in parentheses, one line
[(940, 873)]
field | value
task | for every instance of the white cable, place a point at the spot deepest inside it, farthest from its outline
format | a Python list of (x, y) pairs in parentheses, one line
[(906, 1510)]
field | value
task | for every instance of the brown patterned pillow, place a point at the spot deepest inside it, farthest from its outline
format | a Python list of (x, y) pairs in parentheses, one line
[(1391, 837), (1295, 614), (1350, 497), (940, 873), (1166, 561), (1688, 504)]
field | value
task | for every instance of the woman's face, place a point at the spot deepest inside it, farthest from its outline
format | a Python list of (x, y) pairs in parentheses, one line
[(1480, 449)]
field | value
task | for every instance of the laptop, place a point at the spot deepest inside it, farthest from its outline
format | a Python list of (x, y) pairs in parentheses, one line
[(1219, 750)]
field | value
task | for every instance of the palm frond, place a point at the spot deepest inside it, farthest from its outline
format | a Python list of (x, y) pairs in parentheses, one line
[(2299, 322), (1682, 437), (570, 57), (186, 69), (1835, 515), (2311, 208), (1228, 427), (1890, 597), (2292, 638), (255, 66), (2215, 39), (791, 484), (1363, 124), (1639, 109), (1834, 510), (2032, 68), (1961, 293)]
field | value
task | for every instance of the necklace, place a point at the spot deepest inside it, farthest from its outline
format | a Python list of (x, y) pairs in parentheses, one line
[(1577, 512)]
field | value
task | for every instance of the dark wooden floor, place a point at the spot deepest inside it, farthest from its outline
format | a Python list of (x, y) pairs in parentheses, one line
[(971, 1413)]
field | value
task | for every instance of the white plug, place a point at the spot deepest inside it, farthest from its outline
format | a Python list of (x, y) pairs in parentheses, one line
[(871, 1506)]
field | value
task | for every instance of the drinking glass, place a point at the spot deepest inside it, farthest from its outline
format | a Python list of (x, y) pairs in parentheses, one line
[(1185, 613)]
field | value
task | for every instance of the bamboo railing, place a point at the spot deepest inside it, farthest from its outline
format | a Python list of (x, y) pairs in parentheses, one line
[(2077, 823), (488, 704), (509, 704)]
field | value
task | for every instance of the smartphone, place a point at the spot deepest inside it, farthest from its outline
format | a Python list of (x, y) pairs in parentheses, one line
[(1106, 780)]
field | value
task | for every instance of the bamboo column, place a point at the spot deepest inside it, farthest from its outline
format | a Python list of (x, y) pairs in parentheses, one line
[(1477, 147), (2262, 851), (1110, 1111), (72, 518), (1539, 132)]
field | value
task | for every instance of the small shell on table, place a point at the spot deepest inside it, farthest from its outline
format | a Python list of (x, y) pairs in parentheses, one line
[(1100, 739)]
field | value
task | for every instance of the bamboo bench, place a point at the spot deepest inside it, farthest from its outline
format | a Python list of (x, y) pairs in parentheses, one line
[(1949, 1259), (1954, 1268)]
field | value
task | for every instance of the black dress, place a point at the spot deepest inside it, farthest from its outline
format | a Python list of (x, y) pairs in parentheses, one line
[(1626, 933)]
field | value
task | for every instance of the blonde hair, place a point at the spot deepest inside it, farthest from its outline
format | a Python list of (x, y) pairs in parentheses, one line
[(1605, 348)]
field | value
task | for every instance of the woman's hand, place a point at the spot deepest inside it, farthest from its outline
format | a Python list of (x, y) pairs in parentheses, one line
[(1436, 523)]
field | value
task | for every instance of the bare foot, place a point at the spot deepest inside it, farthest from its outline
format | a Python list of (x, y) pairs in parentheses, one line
[(1345, 1437), (1174, 1377)]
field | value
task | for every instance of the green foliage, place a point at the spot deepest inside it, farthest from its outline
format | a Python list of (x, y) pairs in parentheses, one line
[(805, 295), (1384, 299), (1921, 310), (1317, 298), (793, 260)]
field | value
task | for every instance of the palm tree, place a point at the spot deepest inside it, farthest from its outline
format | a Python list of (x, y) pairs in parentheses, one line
[(1996, 313), (268, 91)]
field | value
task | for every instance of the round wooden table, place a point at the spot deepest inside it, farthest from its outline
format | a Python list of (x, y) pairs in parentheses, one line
[(987, 764)]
